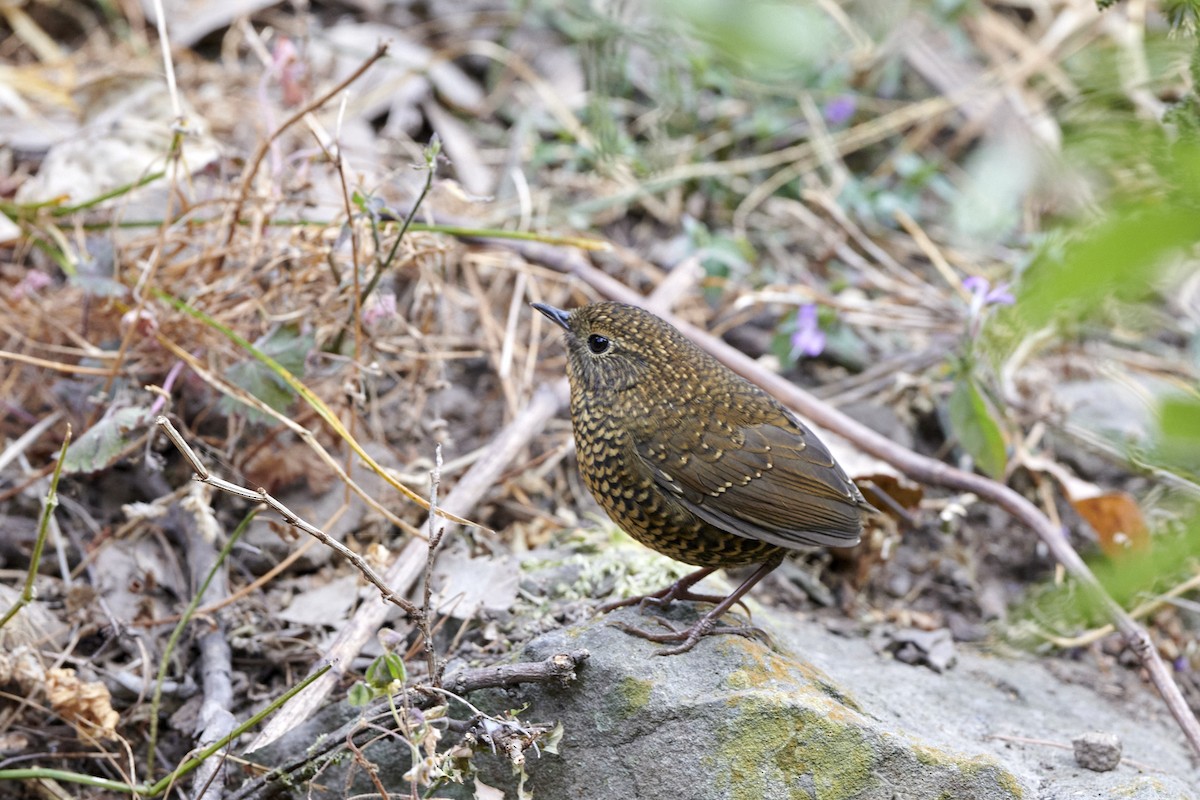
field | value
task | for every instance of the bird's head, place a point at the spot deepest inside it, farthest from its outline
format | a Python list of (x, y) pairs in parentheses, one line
[(613, 347)]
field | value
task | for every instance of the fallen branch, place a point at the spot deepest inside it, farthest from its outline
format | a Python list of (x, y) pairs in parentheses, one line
[(216, 656), (261, 496), (558, 668)]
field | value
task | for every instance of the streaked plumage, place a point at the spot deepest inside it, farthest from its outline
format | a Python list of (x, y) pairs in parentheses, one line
[(689, 458)]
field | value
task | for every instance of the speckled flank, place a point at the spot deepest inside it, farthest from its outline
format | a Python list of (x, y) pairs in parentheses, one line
[(646, 514), (689, 458)]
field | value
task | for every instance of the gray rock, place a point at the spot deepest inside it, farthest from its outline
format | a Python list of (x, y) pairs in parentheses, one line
[(820, 716), (1099, 752), (735, 719), (731, 719)]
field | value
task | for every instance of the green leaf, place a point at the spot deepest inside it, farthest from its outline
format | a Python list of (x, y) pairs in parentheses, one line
[(522, 792), (551, 742), (1066, 608), (765, 35), (377, 677), (359, 695), (976, 429), (1181, 419), (289, 348), (1121, 258), (1179, 434), (102, 445), (395, 665)]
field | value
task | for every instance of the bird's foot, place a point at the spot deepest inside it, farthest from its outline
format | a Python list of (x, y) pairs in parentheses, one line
[(661, 599), (706, 624), (688, 637), (679, 590)]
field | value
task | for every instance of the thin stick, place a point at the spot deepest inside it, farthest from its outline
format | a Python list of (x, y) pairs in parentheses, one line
[(435, 539), (261, 496)]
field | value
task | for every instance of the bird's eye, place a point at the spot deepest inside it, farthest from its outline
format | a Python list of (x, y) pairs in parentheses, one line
[(598, 344)]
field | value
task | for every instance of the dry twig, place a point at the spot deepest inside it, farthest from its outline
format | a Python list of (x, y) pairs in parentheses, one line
[(410, 562)]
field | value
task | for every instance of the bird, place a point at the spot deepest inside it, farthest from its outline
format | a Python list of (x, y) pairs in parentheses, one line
[(694, 461)]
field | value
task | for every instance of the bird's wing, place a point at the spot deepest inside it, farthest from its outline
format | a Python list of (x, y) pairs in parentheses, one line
[(773, 481)]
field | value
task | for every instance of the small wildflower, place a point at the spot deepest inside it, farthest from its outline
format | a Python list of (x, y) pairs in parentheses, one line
[(289, 71), (144, 321), (838, 110), (32, 283), (982, 293), (380, 307), (808, 338)]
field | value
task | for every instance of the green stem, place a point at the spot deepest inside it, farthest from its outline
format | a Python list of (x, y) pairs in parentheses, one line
[(38, 773), (184, 619), (200, 757), (581, 242), (117, 192), (430, 169), (408, 221), (22, 211), (142, 790), (35, 560)]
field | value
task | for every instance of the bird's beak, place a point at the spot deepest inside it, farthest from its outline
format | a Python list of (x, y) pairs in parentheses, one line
[(555, 315)]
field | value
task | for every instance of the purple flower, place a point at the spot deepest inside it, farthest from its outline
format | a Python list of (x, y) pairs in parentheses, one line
[(982, 293), (380, 307), (840, 109), (808, 339), (982, 296), (32, 283)]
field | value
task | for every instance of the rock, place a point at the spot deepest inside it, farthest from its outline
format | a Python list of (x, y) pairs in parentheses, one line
[(933, 649), (1099, 752), (819, 717), (730, 719), (822, 716)]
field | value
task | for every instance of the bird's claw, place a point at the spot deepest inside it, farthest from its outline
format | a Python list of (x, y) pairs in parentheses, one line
[(688, 637), (660, 599)]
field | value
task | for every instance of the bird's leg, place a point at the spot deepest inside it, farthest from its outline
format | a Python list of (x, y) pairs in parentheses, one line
[(708, 623), (679, 590)]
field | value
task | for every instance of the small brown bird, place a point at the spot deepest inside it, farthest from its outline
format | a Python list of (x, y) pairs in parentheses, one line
[(694, 461)]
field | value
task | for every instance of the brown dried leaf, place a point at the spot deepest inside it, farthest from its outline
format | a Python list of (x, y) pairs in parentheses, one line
[(13, 743), (329, 604), (86, 705), (1117, 520), (906, 493), (279, 468), (1115, 516), (465, 583)]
